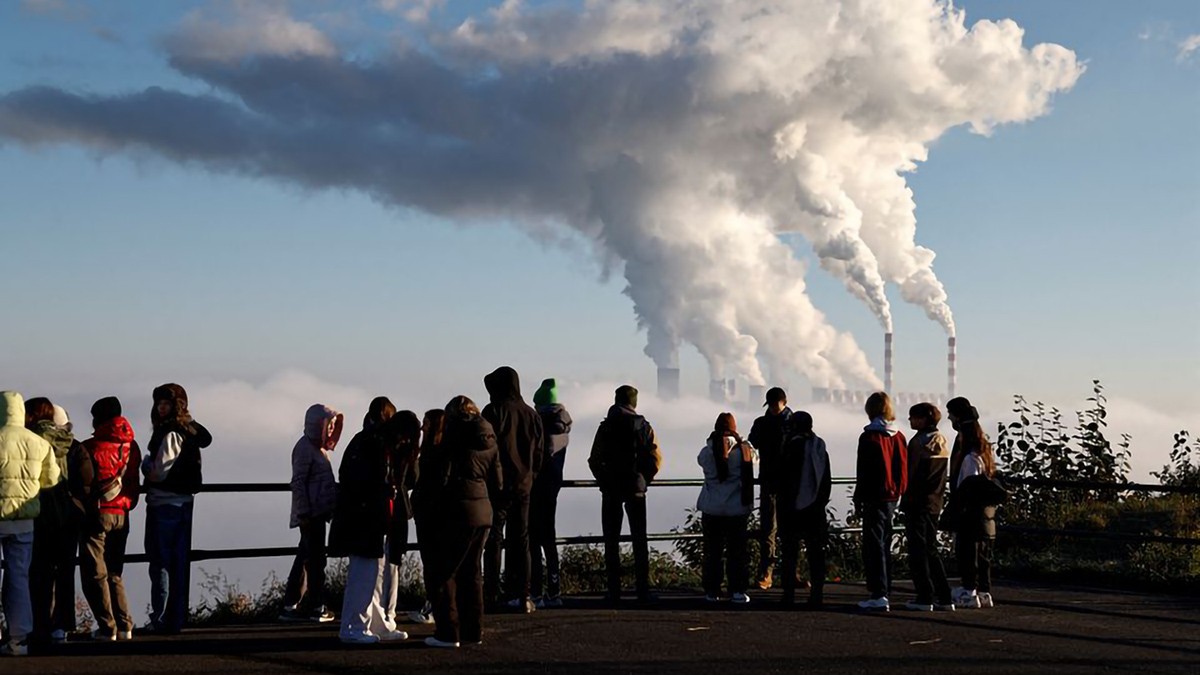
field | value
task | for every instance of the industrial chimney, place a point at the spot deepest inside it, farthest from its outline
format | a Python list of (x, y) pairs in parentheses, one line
[(758, 394), (716, 390), (887, 363), (668, 383), (952, 368)]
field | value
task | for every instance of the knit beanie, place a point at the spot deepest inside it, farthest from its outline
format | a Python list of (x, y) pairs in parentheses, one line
[(627, 396), (106, 409), (547, 394)]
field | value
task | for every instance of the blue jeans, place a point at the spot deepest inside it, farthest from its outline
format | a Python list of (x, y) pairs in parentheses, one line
[(877, 547), (16, 550), (169, 546)]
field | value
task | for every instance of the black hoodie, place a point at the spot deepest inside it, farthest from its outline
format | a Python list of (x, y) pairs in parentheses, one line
[(464, 475), (518, 429)]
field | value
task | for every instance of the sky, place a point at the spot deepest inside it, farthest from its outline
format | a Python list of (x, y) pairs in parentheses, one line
[(268, 280)]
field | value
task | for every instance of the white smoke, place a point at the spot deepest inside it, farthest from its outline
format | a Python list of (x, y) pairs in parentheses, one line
[(679, 136)]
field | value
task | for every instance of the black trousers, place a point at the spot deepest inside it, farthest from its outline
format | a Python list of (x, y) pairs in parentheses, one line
[(458, 583), (974, 554), (925, 561), (725, 553), (306, 581), (811, 526), (52, 569), (611, 517), (510, 536), (768, 523), (543, 511)]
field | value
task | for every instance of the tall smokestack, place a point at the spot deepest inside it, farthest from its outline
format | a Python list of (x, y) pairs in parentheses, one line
[(887, 362), (668, 383), (952, 368), (716, 390)]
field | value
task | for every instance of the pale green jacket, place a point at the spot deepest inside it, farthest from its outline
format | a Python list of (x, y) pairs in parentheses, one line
[(27, 462)]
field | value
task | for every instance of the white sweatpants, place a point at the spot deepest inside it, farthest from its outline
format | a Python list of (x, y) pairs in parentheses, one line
[(362, 609)]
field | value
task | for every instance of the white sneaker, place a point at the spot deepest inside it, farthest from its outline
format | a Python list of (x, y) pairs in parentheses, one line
[(359, 639), (712, 598), (740, 598), (125, 635), (423, 615), (434, 642), (103, 637), (875, 605), (985, 600), (918, 607), (944, 608), (393, 636), (59, 635), (967, 600), (14, 648)]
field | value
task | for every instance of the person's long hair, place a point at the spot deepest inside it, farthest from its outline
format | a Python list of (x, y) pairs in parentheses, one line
[(975, 440), (405, 431), (432, 428), (461, 407), (380, 411), (36, 410)]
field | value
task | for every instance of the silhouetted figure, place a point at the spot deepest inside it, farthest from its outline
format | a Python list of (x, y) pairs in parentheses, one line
[(725, 503), (805, 484), (543, 508), (928, 468), (767, 436), (880, 479)]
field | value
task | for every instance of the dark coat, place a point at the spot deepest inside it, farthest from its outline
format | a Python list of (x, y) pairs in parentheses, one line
[(794, 460), (362, 517), (461, 478), (518, 430), (971, 512), (556, 426), (767, 436), (625, 456)]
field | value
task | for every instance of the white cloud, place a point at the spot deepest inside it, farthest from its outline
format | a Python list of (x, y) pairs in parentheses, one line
[(233, 32), (1187, 47)]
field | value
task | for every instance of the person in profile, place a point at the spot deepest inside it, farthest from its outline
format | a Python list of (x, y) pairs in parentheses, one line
[(543, 506), (767, 435), (314, 496), (725, 503), (172, 469), (881, 477), (805, 484), (971, 513), (929, 465), (458, 485), (624, 460)]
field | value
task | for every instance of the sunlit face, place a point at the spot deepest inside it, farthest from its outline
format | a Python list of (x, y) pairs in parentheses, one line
[(917, 423), (163, 408)]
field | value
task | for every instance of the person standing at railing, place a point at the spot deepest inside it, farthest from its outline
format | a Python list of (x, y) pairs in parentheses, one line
[(314, 495), (108, 488), (433, 426), (543, 506), (624, 461), (519, 436), (767, 436), (971, 514), (880, 479), (27, 466), (725, 503), (805, 484), (380, 410), (363, 523), (929, 467), (172, 469), (462, 480)]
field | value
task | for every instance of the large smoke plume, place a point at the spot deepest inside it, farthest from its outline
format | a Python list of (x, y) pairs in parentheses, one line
[(680, 137)]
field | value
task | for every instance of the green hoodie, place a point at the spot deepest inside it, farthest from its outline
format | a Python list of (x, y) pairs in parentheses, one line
[(547, 394), (60, 439)]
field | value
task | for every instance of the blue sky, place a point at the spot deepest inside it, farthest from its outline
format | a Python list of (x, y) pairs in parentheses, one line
[(1067, 244)]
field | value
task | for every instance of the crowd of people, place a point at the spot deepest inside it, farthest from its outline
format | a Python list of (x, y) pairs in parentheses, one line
[(481, 488)]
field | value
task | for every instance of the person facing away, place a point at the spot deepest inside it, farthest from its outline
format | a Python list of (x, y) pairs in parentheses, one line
[(433, 425), (314, 496), (362, 523), (767, 435), (881, 477), (543, 507), (725, 503), (380, 410), (109, 489), (462, 478), (624, 461), (518, 430), (973, 500), (805, 484), (27, 466), (172, 469), (55, 532), (928, 468)]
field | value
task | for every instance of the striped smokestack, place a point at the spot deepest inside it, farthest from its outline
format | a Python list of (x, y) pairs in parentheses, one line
[(952, 368), (887, 362)]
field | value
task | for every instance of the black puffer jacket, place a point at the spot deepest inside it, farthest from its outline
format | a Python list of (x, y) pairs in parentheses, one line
[(362, 517), (463, 477), (518, 429), (625, 456)]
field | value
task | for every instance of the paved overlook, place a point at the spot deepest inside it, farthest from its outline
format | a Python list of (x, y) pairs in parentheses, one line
[(1033, 628)]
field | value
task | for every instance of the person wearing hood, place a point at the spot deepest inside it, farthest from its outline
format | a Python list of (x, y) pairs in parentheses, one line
[(172, 469), (804, 484), (314, 496), (519, 436), (27, 466), (55, 531), (543, 509), (880, 479), (110, 491), (461, 479), (767, 436), (624, 461), (725, 503), (971, 513), (928, 460), (362, 526)]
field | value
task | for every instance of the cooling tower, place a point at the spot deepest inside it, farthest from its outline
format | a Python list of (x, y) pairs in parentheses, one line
[(668, 383)]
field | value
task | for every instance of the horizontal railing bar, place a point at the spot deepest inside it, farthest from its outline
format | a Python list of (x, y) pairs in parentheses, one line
[(582, 483), (1090, 534), (1100, 485)]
